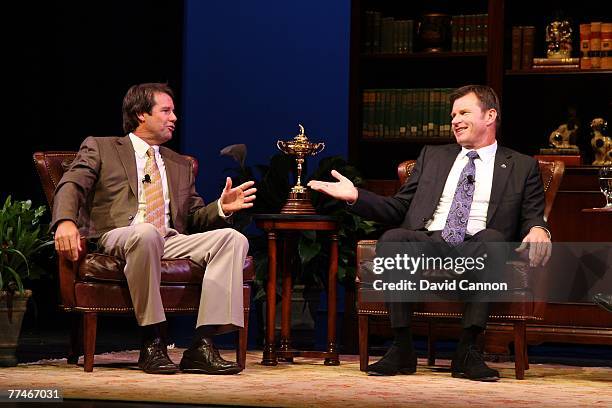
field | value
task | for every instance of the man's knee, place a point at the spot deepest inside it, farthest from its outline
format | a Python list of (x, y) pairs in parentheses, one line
[(146, 235), (489, 235), (235, 237), (400, 235)]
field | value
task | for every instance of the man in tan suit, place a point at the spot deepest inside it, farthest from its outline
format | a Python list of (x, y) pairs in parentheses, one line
[(138, 200)]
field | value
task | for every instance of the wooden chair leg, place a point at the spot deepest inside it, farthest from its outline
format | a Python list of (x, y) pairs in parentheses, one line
[(526, 352), (431, 343), (90, 323), (76, 338), (242, 342), (363, 342), (519, 349)]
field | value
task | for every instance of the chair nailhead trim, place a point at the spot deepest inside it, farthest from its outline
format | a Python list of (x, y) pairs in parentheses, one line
[(454, 315), (128, 309)]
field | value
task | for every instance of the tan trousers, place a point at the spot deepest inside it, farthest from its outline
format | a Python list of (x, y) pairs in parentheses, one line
[(222, 251)]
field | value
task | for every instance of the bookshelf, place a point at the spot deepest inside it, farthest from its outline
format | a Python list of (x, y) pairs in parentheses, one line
[(534, 102), (571, 72), (398, 91), (553, 95)]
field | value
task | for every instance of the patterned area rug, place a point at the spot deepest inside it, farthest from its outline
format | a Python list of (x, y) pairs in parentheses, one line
[(308, 383)]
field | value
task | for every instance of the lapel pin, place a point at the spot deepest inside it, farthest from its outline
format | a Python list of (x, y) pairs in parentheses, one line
[(503, 166)]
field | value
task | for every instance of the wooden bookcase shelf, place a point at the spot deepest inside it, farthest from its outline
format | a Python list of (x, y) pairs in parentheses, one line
[(417, 70), (538, 101), (546, 72), (424, 56), (534, 102)]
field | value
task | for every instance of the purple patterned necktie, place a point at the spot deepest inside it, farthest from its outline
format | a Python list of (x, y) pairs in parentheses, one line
[(459, 213)]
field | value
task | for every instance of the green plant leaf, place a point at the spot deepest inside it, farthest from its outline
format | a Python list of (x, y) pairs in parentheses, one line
[(310, 235), (341, 273), (21, 237), (308, 250), (16, 278)]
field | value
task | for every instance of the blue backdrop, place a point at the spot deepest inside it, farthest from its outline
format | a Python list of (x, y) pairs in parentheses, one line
[(253, 70)]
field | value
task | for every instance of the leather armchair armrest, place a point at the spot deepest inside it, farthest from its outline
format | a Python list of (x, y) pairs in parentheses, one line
[(68, 272), (366, 251)]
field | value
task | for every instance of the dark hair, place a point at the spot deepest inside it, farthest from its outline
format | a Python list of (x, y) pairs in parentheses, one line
[(141, 99), (486, 96)]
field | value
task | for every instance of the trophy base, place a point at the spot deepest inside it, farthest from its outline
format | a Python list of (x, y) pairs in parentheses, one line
[(298, 203)]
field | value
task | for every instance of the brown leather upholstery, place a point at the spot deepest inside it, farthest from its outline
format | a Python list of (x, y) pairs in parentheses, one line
[(519, 275), (96, 283)]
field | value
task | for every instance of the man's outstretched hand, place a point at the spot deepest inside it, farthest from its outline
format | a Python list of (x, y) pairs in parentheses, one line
[(237, 198), (343, 189)]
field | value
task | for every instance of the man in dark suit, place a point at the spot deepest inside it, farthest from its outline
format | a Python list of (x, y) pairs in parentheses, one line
[(137, 199), (506, 204)]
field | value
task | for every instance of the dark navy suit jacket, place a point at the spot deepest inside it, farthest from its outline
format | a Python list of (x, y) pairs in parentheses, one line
[(516, 203)]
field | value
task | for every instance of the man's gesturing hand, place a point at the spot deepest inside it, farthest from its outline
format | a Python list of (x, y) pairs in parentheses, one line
[(341, 190), (237, 198)]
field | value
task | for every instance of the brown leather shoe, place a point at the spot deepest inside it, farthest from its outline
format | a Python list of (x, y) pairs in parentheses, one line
[(154, 358), (204, 358)]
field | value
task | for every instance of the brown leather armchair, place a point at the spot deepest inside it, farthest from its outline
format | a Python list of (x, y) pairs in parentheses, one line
[(518, 273), (96, 284)]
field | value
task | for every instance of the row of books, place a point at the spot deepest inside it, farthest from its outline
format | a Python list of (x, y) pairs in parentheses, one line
[(522, 47), (596, 45), (469, 32), (386, 35), (406, 113)]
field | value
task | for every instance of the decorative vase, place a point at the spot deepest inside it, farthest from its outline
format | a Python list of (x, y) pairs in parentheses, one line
[(433, 32), (12, 309)]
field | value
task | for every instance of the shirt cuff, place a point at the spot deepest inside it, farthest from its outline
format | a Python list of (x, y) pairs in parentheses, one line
[(353, 203), (221, 213)]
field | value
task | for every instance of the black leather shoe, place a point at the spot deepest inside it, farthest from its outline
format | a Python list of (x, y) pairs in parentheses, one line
[(154, 358), (604, 301), (395, 361), (470, 364), (204, 358)]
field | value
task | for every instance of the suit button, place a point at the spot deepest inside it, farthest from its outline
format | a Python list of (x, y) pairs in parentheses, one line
[(131, 217)]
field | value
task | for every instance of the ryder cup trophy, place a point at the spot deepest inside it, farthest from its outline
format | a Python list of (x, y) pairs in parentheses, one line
[(299, 196)]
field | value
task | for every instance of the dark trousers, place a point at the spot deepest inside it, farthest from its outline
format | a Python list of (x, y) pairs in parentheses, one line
[(474, 313)]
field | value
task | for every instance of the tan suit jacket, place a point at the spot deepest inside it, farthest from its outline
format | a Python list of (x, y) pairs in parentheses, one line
[(99, 192)]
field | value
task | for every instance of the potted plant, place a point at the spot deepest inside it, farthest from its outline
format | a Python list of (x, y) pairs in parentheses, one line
[(21, 237)]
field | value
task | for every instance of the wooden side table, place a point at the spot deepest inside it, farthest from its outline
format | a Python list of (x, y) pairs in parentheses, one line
[(285, 225)]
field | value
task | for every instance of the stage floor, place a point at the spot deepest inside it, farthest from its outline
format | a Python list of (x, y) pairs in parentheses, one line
[(308, 383)]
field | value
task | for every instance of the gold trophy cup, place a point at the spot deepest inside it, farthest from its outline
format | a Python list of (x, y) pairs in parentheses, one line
[(299, 196)]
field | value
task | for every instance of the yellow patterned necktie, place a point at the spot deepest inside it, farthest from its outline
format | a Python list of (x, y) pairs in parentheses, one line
[(154, 194)]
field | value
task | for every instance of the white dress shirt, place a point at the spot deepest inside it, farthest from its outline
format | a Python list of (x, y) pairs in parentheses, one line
[(483, 180)]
